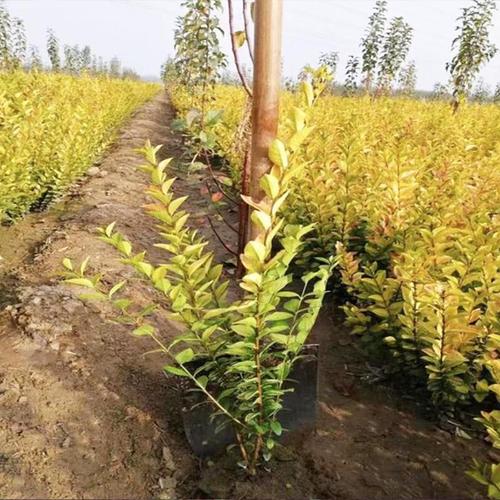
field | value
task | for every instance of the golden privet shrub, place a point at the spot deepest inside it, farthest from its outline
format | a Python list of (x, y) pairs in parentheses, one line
[(408, 194), (53, 127)]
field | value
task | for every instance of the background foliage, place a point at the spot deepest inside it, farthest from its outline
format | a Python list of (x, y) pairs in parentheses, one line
[(54, 127), (406, 193)]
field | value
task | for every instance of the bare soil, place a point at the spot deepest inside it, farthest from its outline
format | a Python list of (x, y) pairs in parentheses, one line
[(83, 414)]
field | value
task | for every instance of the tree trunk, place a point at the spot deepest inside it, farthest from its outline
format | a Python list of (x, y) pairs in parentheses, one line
[(266, 93)]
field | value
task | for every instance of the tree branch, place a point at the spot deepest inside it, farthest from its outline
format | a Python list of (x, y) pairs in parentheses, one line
[(247, 34), (235, 49)]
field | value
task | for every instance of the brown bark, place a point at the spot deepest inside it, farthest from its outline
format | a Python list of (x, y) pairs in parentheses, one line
[(266, 93)]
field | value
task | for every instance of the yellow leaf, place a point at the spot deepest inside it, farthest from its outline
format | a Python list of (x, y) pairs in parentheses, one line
[(278, 154), (261, 219), (239, 38)]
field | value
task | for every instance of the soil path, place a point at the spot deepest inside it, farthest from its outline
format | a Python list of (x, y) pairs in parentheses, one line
[(84, 414)]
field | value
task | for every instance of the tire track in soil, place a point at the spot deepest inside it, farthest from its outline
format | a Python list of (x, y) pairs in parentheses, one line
[(83, 414)]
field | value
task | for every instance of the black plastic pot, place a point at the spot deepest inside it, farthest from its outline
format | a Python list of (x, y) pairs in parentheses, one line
[(298, 413)]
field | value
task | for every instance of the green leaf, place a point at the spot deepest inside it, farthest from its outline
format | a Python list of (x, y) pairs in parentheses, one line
[(143, 330), (298, 138), (299, 118), (243, 330), (80, 282), (116, 288), (253, 278), (282, 339), (249, 321), (255, 250), (279, 315), (83, 265), (175, 204), (185, 356), (261, 219), (203, 381), (292, 305), (67, 264), (125, 247), (243, 366), (109, 229), (174, 370), (271, 185)]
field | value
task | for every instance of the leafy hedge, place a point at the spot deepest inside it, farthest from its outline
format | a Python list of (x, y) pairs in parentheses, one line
[(53, 127), (408, 195)]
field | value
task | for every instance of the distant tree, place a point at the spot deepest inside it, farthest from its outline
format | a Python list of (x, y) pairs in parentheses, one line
[(102, 68), (85, 58), (168, 71), (34, 60), (71, 58), (229, 77), (481, 92), (12, 41), (94, 65), (372, 42), (289, 84), (53, 51), (395, 48), (18, 43), (14, 52), (5, 27), (304, 72), (407, 80), (496, 94), (198, 56), (68, 58), (440, 92), (351, 75), (330, 60), (130, 74), (115, 67), (473, 47)]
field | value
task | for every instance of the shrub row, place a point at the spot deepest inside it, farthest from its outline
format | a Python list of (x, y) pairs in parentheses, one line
[(53, 127), (407, 194)]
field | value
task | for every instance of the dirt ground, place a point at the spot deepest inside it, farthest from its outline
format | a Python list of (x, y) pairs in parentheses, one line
[(83, 414)]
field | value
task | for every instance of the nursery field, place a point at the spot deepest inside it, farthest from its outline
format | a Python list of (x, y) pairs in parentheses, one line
[(407, 194), (68, 378), (53, 127), (252, 281)]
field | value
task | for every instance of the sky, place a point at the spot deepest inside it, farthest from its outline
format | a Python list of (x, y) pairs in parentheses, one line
[(140, 32)]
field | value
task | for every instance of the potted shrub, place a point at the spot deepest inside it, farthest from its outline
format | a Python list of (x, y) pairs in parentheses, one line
[(238, 354)]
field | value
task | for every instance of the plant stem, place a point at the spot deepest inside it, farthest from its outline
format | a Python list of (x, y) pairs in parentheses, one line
[(243, 450), (235, 49), (193, 379), (243, 214), (247, 34), (217, 235)]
